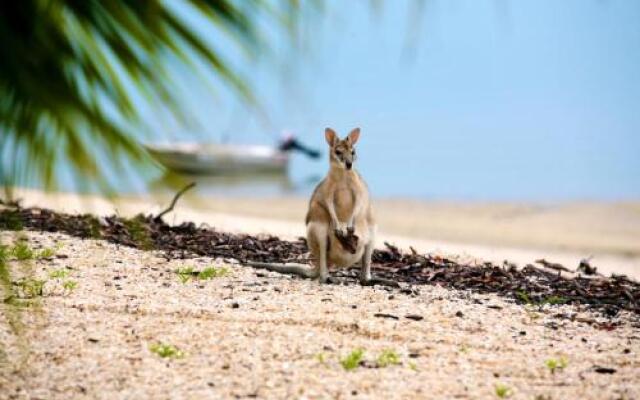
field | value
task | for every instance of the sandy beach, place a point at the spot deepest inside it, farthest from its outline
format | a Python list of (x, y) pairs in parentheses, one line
[(253, 334), (130, 326)]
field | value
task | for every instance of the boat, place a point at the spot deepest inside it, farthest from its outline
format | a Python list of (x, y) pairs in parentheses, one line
[(214, 159), (228, 159)]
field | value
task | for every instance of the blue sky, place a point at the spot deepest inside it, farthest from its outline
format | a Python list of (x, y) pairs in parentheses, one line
[(487, 99)]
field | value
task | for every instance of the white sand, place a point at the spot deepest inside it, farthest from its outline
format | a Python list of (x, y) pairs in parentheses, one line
[(93, 342)]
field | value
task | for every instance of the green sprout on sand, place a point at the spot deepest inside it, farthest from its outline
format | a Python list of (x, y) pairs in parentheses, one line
[(4, 253), (321, 357), (213, 272), (503, 391), (59, 274), (70, 285), (352, 360), (188, 273), (166, 350), (21, 251), (532, 314), (31, 287), (388, 357), (523, 297), (46, 253), (185, 274), (554, 300), (554, 364)]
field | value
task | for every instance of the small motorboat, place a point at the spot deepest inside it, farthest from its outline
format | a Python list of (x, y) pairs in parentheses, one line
[(196, 158), (224, 159)]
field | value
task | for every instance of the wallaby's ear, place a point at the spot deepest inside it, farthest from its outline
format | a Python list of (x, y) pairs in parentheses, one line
[(354, 135), (330, 136)]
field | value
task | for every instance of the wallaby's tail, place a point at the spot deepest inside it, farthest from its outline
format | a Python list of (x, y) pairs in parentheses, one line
[(302, 270)]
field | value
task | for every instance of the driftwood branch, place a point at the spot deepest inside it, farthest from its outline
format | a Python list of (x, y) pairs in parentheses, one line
[(552, 265), (11, 203), (174, 201)]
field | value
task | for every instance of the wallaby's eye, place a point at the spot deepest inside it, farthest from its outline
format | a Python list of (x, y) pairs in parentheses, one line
[(338, 153), (353, 152)]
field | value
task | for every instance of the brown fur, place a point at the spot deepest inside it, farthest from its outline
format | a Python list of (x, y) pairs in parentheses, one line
[(340, 223), (344, 191)]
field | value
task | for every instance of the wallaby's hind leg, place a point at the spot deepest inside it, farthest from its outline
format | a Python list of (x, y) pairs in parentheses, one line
[(365, 263), (318, 243), (366, 279)]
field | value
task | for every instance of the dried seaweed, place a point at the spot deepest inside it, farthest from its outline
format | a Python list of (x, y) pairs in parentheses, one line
[(530, 284)]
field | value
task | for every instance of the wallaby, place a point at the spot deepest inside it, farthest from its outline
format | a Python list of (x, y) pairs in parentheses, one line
[(339, 214)]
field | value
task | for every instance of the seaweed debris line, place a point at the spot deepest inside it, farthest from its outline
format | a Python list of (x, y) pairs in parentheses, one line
[(535, 285)]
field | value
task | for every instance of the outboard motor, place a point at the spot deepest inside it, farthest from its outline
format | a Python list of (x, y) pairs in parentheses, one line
[(290, 143)]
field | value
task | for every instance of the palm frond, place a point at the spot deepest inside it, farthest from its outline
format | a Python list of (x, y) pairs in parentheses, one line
[(70, 69)]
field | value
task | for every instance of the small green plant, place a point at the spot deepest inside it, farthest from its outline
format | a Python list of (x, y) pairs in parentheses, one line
[(4, 253), (69, 285), (503, 391), (554, 300), (564, 362), (352, 360), (554, 364), (321, 357), (20, 303), (59, 273), (138, 231), (388, 357), (46, 253), (523, 297), (213, 272), (188, 273), (532, 314), (166, 350), (21, 251), (31, 287), (185, 274), (412, 366), (92, 226), (464, 348)]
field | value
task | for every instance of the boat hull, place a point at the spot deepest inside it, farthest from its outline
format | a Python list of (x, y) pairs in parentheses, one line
[(214, 159)]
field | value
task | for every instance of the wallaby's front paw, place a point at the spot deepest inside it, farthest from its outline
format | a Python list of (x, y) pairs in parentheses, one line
[(341, 229)]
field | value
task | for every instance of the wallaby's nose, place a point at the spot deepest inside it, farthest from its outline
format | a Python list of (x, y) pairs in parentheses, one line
[(348, 164)]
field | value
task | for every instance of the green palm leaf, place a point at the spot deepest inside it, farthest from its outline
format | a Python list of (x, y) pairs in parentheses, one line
[(70, 68)]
